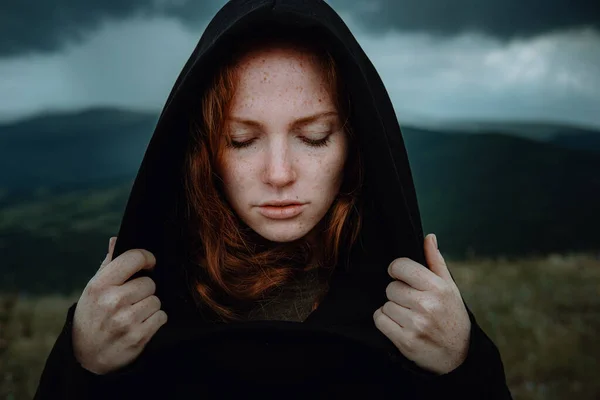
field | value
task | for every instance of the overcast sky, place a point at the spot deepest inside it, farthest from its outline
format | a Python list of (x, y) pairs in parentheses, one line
[(466, 59)]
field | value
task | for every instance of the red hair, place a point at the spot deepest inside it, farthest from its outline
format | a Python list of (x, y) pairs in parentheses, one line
[(232, 266)]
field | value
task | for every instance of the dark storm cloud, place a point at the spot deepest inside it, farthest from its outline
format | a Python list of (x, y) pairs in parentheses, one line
[(503, 19), (46, 26), (130, 61)]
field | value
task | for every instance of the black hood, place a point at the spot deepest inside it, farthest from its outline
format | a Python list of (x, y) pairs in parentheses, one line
[(337, 352), (391, 221)]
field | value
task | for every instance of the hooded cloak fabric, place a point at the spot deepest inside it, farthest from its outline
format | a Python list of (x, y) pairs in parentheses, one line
[(337, 351)]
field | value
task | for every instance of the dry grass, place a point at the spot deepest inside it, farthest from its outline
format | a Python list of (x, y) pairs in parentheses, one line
[(543, 314)]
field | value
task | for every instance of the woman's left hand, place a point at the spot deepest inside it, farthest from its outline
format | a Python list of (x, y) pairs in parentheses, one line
[(425, 316)]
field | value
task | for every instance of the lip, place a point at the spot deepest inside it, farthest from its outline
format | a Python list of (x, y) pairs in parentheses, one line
[(286, 211), (280, 203)]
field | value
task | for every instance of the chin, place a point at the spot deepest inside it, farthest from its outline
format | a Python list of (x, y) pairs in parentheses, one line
[(281, 234)]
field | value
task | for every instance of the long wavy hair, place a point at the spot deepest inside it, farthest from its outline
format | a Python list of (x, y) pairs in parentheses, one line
[(232, 266)]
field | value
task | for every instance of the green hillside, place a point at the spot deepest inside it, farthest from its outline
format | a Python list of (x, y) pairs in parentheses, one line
[(497, 194), (55, 242)]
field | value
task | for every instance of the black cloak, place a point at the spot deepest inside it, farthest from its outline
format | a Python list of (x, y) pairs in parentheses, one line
[(337, 351)]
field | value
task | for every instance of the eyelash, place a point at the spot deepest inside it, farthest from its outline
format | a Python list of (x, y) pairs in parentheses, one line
[(313, 143)]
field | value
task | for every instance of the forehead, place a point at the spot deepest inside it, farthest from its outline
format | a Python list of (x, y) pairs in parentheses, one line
[(288, 73), (268, 53)]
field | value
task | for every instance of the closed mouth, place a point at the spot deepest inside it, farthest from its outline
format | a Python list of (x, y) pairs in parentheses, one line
[(281, 204), (281, 211)]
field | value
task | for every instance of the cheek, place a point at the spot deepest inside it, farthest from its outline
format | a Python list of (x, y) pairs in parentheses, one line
[(329, 170), (236, 175)]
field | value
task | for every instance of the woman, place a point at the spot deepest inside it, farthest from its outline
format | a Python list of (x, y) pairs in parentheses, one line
[(272, 242)]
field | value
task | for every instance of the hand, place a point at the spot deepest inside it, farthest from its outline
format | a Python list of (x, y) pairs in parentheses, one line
[(425, 316), (114, 319)]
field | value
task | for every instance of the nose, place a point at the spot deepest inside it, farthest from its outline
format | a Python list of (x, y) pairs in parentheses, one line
[(279, 170)]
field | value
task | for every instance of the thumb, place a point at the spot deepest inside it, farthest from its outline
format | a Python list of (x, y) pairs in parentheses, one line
[(109, 255), (434, 258)]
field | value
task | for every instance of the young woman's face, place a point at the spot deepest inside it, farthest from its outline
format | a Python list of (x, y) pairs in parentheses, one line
[(284, 167)]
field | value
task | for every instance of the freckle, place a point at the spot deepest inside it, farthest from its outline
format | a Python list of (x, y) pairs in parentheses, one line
[(320, 100)]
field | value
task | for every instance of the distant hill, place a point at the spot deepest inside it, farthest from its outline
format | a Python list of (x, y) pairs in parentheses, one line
[(579, 141), (538, 131), (97, 146), (486, 195), (494, 192)]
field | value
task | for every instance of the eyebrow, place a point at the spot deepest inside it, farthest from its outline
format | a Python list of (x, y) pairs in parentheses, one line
[(296, 124)]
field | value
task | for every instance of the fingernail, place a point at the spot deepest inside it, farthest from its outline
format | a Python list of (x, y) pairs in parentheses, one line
[(435, 241)]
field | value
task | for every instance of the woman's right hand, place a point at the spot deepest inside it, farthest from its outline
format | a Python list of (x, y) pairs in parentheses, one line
[(114, 319)]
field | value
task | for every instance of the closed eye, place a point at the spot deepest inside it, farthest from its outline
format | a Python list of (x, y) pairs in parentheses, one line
[(240, 145), (317, 143), (311, 142)]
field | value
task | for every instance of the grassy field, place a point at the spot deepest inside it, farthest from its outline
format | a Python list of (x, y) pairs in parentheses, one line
[(543, 314)]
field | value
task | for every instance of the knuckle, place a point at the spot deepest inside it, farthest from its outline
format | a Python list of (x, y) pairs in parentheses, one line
[(430, 306), (136, 338), (122, 321), (391, 265), (388, 307), (442, 288), (425, 305), (150, 283), (137, 256), (377, 319), (410, 342), (395, 263), (389, 289), (422, 325), (162, 316), (110, 301), (150, 255), (156, 302), (146, 256), (94, 288), (402, 261)]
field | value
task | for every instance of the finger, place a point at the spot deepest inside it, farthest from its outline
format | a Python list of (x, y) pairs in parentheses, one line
[(104, 262), (413, 274), (388, 327), (137, 289), (400, 315), (123, 267), (111, 246), (108, 257), (434, 258), (153, 323), (144, 308), (403, 295)]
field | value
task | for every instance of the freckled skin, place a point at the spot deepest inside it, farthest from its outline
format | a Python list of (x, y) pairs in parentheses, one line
[(277, 86)]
